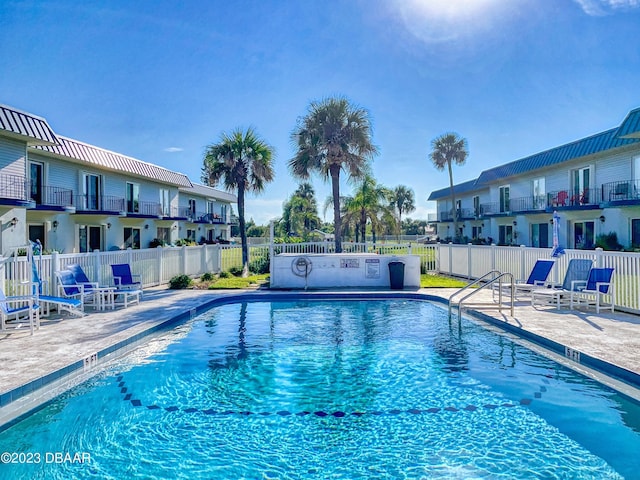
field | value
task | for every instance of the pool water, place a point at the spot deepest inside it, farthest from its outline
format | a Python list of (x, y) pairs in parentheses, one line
[(375, 389)]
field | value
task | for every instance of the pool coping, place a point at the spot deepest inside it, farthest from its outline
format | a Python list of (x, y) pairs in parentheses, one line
[(24, 400)]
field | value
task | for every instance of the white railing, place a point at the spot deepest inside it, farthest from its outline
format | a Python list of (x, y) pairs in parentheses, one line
[(473, 261)]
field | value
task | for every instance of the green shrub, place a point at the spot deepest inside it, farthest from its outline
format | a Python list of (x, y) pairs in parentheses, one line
[(236, 271), (224, 275), (608, 241), (207, 277), (260, 265), (180, 282)]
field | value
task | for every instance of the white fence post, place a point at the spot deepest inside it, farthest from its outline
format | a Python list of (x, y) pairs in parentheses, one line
[(183, 259), (599, 257), (493, 256), (159, 258), (469, 261), (522, 267), (55, 266), (451, 258), (96, 265)]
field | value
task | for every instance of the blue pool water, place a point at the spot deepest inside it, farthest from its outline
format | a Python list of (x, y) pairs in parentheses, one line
[(375, 389)]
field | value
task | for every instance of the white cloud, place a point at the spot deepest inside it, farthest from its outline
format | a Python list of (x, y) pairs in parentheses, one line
[(598, 8), (173, 149)]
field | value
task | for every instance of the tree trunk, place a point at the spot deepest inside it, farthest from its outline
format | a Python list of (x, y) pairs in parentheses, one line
[(453, 201), (334, 170), (243, 231)]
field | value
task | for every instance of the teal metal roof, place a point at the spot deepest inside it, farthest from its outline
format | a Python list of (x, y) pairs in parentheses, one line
[(599, 142), (465, 187)]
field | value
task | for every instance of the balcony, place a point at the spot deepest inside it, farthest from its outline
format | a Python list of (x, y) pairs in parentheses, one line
[(463, 214), (626, 192), (139, 209), (100, 205), (55, 199), (528, 204), (14, 191), (574, 199)]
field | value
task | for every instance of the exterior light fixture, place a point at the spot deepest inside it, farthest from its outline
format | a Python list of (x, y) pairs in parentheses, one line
[(55, 224), (515, 223), (108, 225), (602, 219), (13, 222), (146, 226)]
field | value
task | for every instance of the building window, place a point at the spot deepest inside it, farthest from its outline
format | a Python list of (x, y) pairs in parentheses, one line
[(133, 198), (476, 232), (476, 206), (192, 208), (90, 238), (540, 235), (164, 235), (539, 193), (581, 178), (583, 235), (36, 232), (505, 234), (131, 238), (191, 234), (36, 180), (91, 187), (165, 203), (504, 199)]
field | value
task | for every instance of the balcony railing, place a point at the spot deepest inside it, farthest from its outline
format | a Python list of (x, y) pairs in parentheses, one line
[(151, 209), (463, 214), (13, 187), (626, 190), (573, 198), (528, 204), (52, 196), (100, 203)]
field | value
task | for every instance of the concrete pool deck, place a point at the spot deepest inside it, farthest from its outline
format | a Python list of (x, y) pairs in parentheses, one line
[(61, 341)]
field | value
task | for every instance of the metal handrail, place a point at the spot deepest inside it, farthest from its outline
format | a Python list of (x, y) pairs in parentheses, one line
[(490, 283), (475, 282)]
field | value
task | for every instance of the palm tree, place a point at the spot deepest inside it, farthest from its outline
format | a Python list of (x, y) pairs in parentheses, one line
[(242, 161), (300, 212), (402, 200), (369, 205), (446, 149), (333, 136)]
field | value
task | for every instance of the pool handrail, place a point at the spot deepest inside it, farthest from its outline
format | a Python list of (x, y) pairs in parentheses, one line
[(488, 284), (495, 273)]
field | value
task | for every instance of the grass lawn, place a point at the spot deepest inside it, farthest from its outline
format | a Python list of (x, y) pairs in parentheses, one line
[(429, 280), (237, 282)]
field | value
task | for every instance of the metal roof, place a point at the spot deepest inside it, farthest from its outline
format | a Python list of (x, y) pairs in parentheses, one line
[(206, 191), (34, 130), (580, 148), (464, 187), (106, 159), (630, 126)]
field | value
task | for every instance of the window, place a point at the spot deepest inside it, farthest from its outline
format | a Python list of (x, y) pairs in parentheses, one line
[(504, 199), (191, 234), (90, 238), (476, 206), (580, 185), (505, 234), (133, 198), (36, 180), (540, 235), (223, 213), (192, 208), (476, 232), (131, 238), (164, 234), (635, 233), (165, 203), (583, 235), (539, 193), (91, 186), (36, 232)]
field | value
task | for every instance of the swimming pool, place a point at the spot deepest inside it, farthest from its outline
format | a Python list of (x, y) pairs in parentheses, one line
[(375, 389)]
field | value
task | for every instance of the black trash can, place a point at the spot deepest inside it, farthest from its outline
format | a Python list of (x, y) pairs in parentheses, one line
[(396, 275)]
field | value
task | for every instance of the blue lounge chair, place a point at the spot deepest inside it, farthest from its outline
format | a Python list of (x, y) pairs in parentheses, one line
[(40, 288), (597, 289), (574, 280), (537, 278), (123, 278), (74, 293), (17, 306)]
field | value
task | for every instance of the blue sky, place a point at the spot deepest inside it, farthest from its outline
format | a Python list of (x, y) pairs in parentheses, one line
[(159, 80)]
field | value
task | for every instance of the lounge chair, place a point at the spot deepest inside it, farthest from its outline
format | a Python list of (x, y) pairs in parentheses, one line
[(128, 286), (537, 278), (575, 279), (40, 288), (597, 289), (17, 306)]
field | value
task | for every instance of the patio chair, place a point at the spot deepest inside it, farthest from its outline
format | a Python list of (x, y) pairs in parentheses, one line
[(123, 278), (128, 287), (597, 289), (575, 278), (16, 306), (40, 287), (74, 293), (537, 278), (104, 294)]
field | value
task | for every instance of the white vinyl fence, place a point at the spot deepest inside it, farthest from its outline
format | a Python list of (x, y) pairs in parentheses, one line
[(473, 261)]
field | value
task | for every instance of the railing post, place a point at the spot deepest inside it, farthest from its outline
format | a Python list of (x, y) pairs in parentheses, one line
[(469, 261), (219, 258), (96, 266), (522, 267), (183, 259), (203, 259), (599, 257), (55, 266), (493, 256), (410, 248), (451, 258), (160, 263)]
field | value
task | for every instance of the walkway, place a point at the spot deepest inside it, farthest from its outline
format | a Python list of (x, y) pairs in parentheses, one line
[(614, 338)]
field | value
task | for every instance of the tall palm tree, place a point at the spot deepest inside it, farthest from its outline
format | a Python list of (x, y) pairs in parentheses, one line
[(447, 149), (402, 200), (300, 212), (242, 161), (369, 205), (333, 136)]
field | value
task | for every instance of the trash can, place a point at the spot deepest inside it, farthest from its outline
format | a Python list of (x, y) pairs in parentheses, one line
[(396, 275)]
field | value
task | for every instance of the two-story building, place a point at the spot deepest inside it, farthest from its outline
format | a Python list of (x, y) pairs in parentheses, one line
[(76, 197), (593, 183)]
